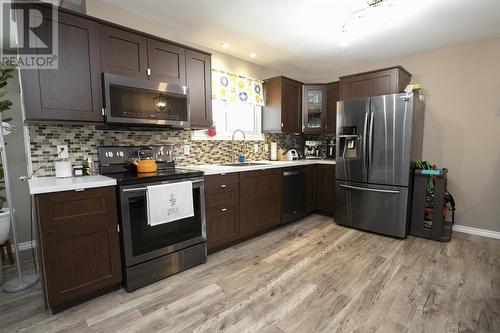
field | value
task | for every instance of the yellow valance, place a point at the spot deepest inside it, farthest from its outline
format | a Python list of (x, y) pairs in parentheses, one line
[(236, 88)]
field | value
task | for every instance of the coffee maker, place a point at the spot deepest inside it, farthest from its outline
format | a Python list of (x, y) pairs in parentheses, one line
[(314, 149)]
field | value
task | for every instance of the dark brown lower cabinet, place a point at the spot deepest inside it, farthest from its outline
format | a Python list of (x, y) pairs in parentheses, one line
[(222, 212), (260, 198), (239, 205), (245, 204), (310, 187), (325, 188), (78, 239)]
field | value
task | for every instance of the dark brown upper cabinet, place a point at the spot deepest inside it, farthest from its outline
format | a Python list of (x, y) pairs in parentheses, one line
[(87, 48), (131, 54), (123, 52), (314, 108), (380, 82), (332, 97), (166, 62), (283, 109), (72, 92), (199, 82)]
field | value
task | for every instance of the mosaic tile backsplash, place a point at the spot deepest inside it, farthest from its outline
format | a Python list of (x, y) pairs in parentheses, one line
[(83, 140)]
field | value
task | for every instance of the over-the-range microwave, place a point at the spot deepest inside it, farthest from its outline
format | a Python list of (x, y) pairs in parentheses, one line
[(138, 102)]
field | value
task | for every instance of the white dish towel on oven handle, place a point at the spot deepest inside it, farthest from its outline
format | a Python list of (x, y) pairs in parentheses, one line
[(169, 202)]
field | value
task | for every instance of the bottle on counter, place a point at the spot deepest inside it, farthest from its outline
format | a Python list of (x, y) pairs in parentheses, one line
[(89, 167)]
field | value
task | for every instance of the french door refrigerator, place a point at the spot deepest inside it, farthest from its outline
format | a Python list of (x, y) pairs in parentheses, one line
[(377, 139)]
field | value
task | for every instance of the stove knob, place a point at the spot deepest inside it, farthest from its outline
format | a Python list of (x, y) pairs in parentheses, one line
[(120, 154)]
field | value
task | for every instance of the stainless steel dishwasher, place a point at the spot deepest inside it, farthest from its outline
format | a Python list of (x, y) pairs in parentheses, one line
[(293, 194)]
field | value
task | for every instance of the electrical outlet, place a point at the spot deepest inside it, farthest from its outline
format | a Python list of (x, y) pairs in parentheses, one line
[(256, 147), (186, 149), (266, 148), (64, 149)]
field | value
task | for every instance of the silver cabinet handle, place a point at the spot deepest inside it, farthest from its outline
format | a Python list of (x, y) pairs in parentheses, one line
[(369, 189), (223, 186), (223, 209), (292, 173)]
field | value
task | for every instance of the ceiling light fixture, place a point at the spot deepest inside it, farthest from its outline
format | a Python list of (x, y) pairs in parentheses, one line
[(225, 45), (377, 16), (252, 55)]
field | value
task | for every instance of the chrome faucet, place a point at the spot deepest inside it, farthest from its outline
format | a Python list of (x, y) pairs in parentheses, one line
[(232, 144)]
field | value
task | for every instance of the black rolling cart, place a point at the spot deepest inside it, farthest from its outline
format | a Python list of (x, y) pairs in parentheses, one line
[(432, 206)]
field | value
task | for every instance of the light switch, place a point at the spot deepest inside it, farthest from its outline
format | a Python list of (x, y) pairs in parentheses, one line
[(64, 149)]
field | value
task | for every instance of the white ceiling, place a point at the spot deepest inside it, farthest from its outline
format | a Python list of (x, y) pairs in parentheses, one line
[(302, 38)]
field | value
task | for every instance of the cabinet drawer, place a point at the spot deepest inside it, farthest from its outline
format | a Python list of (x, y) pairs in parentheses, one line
[(228, 198), (221, 183), (69, 209), (222, 227)]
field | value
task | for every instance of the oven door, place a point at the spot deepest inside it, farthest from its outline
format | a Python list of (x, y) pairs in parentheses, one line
[(129, 100), (142, 242)]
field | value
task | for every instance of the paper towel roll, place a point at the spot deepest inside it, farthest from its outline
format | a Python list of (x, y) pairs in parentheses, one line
[(274, 151)]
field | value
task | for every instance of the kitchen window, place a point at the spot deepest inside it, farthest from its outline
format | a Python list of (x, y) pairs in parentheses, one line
[(236, 104), (230, 116)]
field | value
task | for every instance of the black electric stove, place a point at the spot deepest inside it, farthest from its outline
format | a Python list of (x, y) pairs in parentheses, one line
[(153, 252), (116, 162)]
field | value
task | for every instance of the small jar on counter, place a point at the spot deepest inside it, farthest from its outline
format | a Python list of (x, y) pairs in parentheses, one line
[(78, 170)]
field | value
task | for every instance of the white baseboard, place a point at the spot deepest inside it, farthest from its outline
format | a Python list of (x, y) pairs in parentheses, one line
[(24, 246), (476, 231)]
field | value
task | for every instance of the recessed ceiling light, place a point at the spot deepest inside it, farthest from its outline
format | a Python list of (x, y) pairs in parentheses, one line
[(226, 45), (252, 55)]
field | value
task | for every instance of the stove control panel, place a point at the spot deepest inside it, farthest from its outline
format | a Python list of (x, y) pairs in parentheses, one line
[(109, 155)]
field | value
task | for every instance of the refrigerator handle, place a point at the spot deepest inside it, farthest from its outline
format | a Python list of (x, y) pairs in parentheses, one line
[(369, 189), (370, 143), (365, 138)]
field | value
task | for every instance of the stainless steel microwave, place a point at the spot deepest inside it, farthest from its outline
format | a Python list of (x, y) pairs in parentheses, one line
[(139, 102)]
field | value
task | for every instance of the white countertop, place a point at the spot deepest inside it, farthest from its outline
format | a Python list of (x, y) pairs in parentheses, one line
[(53, 184), (216, 169)]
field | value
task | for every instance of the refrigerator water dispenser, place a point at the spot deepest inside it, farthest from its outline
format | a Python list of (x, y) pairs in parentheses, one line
[(349, 142)]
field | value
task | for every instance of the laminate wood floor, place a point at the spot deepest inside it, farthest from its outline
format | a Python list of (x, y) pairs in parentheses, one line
[(310, 276)]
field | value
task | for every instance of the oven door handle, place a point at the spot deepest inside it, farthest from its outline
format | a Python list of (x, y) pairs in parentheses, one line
[(142, 189)]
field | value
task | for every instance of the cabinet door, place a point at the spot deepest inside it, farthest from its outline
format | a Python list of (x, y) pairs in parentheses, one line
[(333, 94), (72, 92), (310, 187), (167, 62), (199, 82), (325, 187), (260, 201), (123, 52), (375, 83), (79, 242), (222, 227), (222, 210), (314, 108), (291, 106)]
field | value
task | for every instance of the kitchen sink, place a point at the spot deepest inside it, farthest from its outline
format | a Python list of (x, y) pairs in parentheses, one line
[(244, 164)]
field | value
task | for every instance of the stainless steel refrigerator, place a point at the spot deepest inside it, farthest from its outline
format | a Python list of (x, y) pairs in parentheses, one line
[(377, 139)]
